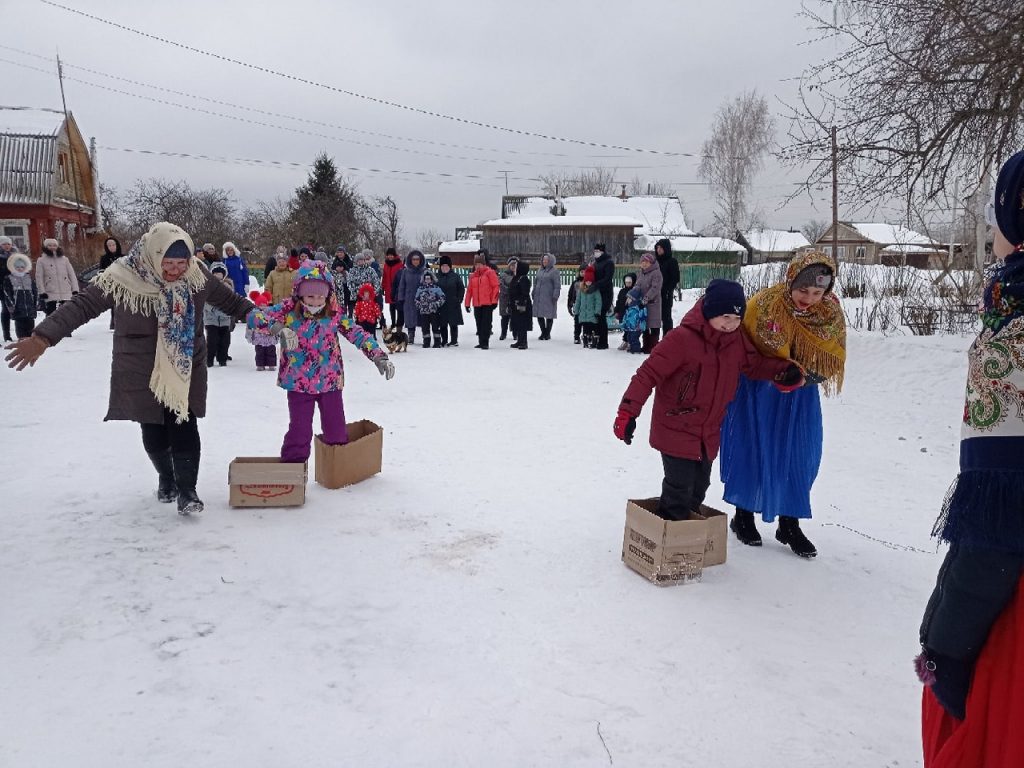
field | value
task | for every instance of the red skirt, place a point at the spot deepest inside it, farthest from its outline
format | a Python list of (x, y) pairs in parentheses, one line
[(992, 734)]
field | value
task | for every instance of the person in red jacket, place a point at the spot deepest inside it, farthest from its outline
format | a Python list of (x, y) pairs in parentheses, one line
[(393, 264), (367, 311), (694, 373), (482, 295)]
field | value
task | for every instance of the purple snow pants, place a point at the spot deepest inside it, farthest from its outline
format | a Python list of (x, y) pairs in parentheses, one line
[(299, 436)]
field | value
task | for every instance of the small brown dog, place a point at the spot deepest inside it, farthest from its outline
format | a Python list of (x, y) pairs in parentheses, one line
[(395, 339)]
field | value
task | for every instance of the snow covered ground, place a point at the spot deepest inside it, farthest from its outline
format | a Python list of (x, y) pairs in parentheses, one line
[(468, 606)]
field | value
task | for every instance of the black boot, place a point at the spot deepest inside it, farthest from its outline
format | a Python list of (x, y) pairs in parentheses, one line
[(789, 533), (166, 490), (743, 526), (426, 342), (186, 471)]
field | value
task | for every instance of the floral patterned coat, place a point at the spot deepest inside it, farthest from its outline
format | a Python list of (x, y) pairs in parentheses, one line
[(315, 366)]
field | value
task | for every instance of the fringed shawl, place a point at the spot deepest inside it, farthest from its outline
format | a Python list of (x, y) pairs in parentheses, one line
[(135, 282), (815, 338)]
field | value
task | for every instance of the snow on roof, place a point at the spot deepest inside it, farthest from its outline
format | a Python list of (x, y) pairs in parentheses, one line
[(459, 246), (657, 214), (775, 240), (30, 121), (892, 234), (690, 244), (564, 221)]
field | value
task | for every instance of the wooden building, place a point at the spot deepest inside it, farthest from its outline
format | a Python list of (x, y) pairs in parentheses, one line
[(881, 243), (48, 182), (767, 245), (569, 238)]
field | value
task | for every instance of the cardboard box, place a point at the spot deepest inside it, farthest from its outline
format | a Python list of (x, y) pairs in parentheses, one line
[(266, 482), (673, 552), (361, 457)]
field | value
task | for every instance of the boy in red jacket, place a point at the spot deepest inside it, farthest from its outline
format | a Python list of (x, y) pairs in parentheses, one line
[(694, 373)]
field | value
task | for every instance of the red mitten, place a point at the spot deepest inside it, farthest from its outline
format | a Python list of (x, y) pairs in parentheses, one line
[(624, 427)]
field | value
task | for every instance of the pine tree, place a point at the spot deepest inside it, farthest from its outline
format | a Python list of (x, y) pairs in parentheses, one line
[(324, 210)]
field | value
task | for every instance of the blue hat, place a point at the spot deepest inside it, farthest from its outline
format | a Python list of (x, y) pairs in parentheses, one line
[(724, 297), (1009, 202)]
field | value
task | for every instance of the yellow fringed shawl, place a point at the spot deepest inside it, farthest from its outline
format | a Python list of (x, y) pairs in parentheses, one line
[(815, 338)]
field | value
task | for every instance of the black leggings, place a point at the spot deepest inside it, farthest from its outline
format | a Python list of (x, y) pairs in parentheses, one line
[(178, 438), (545, 326), (397, 315)]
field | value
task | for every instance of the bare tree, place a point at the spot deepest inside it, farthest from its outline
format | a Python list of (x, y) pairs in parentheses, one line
[(427, 239), (815, 229), (640, 187), (922, 92), (207, 214), (379, 222), (599, 181), (740, 139), (268, 224)]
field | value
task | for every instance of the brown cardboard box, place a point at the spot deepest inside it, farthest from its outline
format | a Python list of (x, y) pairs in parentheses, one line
[(662, 550), (360, 458), (266, 482)]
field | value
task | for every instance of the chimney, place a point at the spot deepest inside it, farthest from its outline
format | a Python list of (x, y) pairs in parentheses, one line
[(93, 159), (623, 196)]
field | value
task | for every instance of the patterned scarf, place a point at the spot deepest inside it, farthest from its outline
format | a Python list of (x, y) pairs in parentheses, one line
[(984, 507), (815, 338), (136, 284)]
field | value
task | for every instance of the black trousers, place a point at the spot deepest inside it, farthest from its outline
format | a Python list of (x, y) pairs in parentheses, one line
[(449, 333), (23, 327), (651, 336), (505, 320), (431, 324), (577, 329), (545, 326), (602, 331), (666, 312), (178, 438), (50, 307), (397, 315), (484, 317), (684, 487), (218, 341), (5, 322), (370, 328)]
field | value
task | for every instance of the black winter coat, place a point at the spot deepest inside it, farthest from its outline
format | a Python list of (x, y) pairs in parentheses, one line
[(520, 305), (604, 273), (620, 300), (669, 269), (454, 292)]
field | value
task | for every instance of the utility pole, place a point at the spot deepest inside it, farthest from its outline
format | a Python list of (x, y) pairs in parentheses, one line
[(835, 198), (981, 228), (71, 149), (506, 180)]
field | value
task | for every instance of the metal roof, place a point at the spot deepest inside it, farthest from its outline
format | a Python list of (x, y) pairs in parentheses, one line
[(27, 165), (30, 121)]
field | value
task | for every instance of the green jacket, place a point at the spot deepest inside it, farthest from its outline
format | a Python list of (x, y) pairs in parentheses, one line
[(588, 306)]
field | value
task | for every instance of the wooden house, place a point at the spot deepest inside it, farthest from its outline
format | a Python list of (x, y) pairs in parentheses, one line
[(569, 227), (48, 182), (767, 245), (881, 243)]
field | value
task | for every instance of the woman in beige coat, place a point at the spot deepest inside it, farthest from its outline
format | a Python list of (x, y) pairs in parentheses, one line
[(55, 277)]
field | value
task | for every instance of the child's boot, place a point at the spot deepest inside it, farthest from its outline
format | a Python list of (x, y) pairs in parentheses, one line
[(426, 342), (743, 526), (186, 472), (166, 490), (789, 533)]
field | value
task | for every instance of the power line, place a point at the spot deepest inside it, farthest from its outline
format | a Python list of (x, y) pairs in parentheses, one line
[(357, 95)]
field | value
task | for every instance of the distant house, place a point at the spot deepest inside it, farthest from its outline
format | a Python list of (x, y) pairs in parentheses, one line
[(764, 245), (881, 243), (694, 249), (569, 227), (461, 252), (48, 181)]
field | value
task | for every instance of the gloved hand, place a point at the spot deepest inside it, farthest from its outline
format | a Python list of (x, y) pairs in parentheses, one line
[(289, 339), (74, 293), (386, 368), (949, 679), (624, 427), (44, 297), (790, 379)]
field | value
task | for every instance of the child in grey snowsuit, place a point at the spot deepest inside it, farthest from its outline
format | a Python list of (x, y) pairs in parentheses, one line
[(20, 297), (429, 300), (218, 324)]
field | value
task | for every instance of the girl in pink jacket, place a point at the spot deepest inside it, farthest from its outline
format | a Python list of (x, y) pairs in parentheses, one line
[(311, 370)]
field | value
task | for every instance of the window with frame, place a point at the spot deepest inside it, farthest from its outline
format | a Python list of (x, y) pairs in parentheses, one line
[(827, 250), (861, 253), (18, 232), (841, 251), (62, 167)]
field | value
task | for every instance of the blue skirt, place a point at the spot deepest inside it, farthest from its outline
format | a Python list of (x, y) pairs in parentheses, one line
[(771, 449)]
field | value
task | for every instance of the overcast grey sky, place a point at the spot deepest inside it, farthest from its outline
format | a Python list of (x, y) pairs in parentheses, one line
[(647, 74)]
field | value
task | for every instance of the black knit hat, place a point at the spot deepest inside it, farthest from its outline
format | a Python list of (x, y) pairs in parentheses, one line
[(723, 297), (446, 259), (1009, 202), (178, 250), (599, 247), (814, 276)]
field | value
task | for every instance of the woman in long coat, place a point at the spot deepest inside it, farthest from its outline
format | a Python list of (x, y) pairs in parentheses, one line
[(520, 306), (650, 281), (451, 311), (158, 371), (408, 281), (547, 286)]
